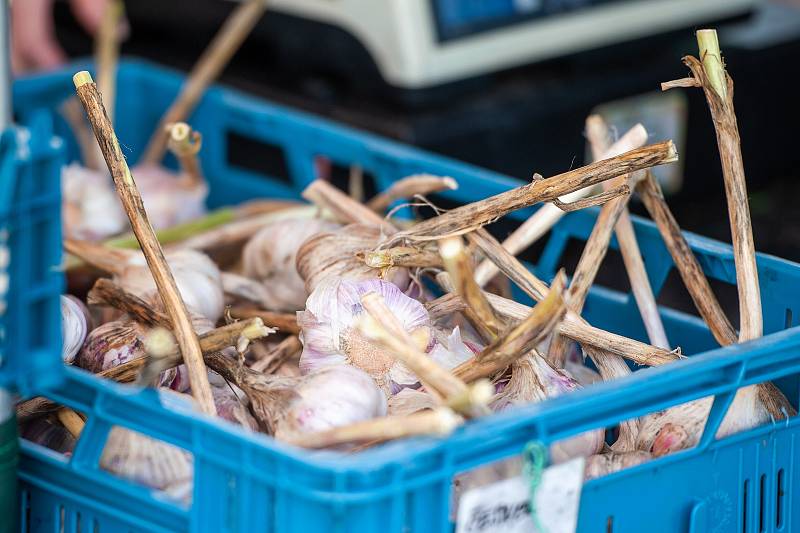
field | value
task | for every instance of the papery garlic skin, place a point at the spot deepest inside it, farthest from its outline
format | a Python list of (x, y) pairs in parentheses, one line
[(607, 463), (197, 276), (329, 334), (90, 205), (144, 460), (409, 401), (335, 396), (169, 198), (270, 258), (335, 255), (534, 380), (74, 327)]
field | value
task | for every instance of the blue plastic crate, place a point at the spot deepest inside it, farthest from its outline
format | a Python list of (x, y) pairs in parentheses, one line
[(246, 482), (30, 233)]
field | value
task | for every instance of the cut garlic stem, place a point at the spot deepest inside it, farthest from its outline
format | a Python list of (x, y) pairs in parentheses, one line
[(477, 214), (71, 420), (539, 223), (598, 137), (458, 265), (409, 187), (185, 143), (344, 209), (438, 422), (519, 339), (401, 256)]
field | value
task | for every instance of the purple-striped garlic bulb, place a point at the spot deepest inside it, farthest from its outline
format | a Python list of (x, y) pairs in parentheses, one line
[(90, 205), (534, 380), (270, 257), (330, 336), (170, 198), (118, 342), (334, 254), (75, 321), (330, 397)]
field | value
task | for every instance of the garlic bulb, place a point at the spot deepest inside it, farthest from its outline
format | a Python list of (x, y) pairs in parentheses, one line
[(149, 462), (270, 257), (197, 276), (334, 396), (48, 433), (533, 380), (329, 334), (681, 427), (606, 463), (91, 208), (169, 198), (120, 341), (333, 254), (74, 327)]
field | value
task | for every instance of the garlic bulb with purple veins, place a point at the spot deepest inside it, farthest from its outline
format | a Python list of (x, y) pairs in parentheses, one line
[(120, 341), (270, 258), (331, 397), (91, 208), (169, 198), (74, 327), (330, 337), (334, 254), (534, 380)]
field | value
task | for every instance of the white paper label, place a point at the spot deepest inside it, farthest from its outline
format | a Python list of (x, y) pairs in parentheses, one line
[(503, 507)]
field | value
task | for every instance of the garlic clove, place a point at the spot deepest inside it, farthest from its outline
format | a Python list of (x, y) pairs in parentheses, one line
[(329, 332), (74, 327)]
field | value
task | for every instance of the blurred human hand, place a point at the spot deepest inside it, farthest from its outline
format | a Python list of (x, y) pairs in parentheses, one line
[(33, 41)]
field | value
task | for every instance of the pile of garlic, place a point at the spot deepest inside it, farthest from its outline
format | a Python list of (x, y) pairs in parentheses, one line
[(382, 329)]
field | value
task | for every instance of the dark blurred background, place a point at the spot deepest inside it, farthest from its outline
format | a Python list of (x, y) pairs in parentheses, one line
[(529, 117)]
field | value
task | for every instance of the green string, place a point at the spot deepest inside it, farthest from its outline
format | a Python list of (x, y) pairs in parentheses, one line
[(533, 459)]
